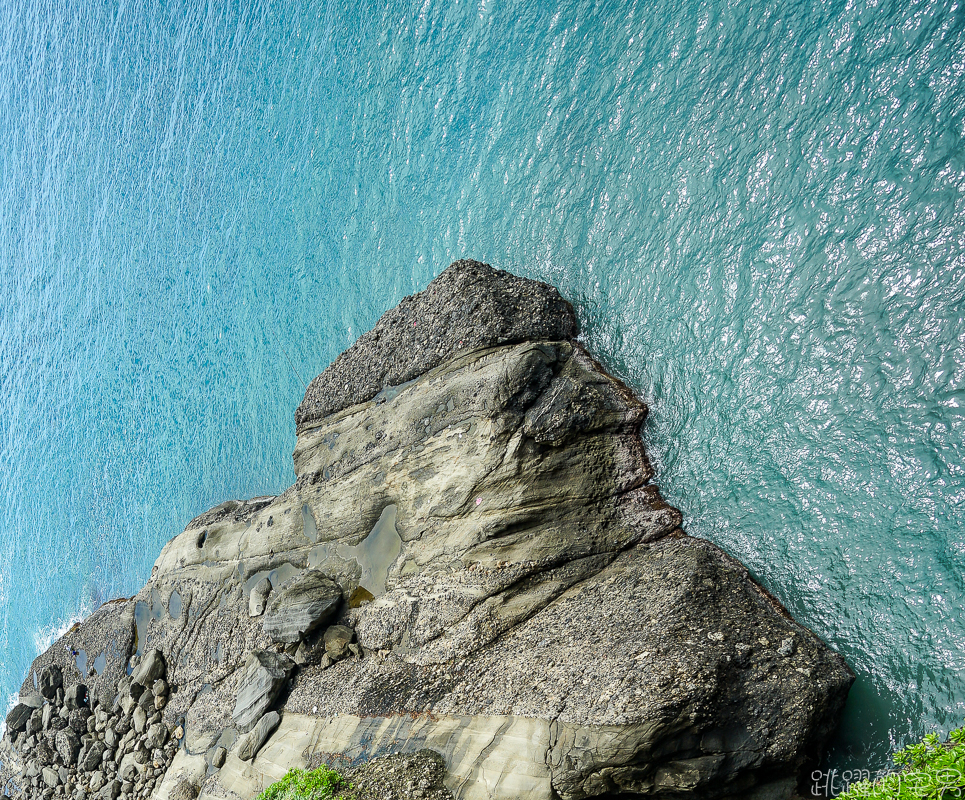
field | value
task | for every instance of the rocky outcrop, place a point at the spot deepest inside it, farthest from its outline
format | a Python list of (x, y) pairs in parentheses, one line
[(472, 560)]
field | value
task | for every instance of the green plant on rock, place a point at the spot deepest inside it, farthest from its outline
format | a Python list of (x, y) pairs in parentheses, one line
[(298, 784), (930, 770)]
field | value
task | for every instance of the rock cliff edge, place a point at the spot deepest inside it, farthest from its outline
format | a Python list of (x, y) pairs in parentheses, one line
[(473, 560)]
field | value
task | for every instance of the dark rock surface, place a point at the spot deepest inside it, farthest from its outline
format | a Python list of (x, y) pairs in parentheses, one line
[(470, 305), (505, 586)]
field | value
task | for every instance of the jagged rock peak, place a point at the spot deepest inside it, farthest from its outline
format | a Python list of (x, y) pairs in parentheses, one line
[(470, 305)]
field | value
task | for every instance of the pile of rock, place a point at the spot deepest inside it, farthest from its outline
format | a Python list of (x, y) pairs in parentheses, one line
[(298, 611), (71, 747)]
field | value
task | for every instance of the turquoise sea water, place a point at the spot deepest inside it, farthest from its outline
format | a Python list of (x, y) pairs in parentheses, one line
[(758, 208)]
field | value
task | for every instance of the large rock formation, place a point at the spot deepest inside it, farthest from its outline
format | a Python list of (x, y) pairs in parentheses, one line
[(473, 483)]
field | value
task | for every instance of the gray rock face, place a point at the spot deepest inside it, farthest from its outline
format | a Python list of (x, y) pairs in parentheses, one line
[(258, 735), (469, 306), (263, 679), (473, 494), (301, 606)]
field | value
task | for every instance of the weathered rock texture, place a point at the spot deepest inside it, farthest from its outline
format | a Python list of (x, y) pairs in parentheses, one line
[(524, 603)]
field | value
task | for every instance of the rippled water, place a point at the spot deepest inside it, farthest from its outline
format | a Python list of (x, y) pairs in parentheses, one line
[(758, 207)]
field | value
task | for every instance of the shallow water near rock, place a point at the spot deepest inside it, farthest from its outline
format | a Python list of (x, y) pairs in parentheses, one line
[(757, 209)]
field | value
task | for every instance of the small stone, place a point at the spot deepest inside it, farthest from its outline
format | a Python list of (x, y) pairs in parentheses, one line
[(51, 777), (218, 759), (179, 732), (160, 688), (97, 781), (160, 701)]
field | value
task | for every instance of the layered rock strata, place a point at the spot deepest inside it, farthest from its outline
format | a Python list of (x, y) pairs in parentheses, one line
[(473, 560)]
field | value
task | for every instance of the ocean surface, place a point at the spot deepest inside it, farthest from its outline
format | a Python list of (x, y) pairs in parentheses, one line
[(757, 207)]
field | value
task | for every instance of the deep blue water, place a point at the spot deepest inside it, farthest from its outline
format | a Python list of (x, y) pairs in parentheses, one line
[(758, 207)]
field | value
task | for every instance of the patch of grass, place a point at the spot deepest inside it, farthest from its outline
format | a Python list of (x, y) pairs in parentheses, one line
[(930, 770), (298, 784)]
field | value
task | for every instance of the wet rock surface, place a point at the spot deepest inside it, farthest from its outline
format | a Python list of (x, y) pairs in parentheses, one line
[(472, 561)]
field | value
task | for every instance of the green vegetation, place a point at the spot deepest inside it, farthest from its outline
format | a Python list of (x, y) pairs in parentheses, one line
[(318, 784), (930, 770)]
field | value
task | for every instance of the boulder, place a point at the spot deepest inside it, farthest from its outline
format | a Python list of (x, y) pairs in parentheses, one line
[(36, 722), (152, 668), (18, 717), (157, 736), (76, 697), (301, 606), (50, 680), (68, 745), (218, 757), (337, 639), (262, 680), (51, 777), (254, 740), (78, 720), (139, 719)]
